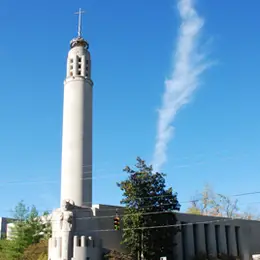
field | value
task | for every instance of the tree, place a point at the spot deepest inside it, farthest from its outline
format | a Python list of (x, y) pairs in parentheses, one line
[(214, 204), (28, 229), (202, 203), (43, 256), (149, 206), (4, 245), (115, 255), (36, 251)]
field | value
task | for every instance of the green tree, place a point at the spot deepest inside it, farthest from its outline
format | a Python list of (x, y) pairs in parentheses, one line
[(4, 245), (149, 206), (28, 229)]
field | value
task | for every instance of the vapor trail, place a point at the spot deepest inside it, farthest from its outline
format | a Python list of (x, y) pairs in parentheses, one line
[(188, 64)]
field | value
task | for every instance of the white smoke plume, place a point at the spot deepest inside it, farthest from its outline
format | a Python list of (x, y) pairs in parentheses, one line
[(188, 64)]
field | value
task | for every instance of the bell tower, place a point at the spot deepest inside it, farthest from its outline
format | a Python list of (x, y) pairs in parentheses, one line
[(76, 165)]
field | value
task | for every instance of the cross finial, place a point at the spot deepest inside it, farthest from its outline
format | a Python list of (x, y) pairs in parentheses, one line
[(80, 12)]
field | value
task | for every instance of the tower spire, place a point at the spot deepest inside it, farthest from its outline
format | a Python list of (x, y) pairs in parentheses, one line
[(80, 12), (79, 41)]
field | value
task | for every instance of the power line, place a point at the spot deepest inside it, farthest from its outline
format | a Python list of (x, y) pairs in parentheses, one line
[(165, 226), (100, 176), (146, 213), (245, 194), (162, 212), (163, 204), (189, 201)]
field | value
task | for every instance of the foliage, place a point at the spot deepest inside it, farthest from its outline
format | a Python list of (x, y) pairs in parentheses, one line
[(148, 204), (115, 255), (214, 204), (36, 251), (28, 229), (43, 256), (210, 203), (4, 245)]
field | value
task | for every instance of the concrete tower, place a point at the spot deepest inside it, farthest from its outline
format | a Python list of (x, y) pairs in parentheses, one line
[(76, 168)]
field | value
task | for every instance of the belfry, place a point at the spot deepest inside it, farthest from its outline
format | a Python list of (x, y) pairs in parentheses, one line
[(76, 167), (71, 229)]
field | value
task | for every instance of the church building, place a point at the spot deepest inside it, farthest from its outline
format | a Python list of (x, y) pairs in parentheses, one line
[(83, 231)]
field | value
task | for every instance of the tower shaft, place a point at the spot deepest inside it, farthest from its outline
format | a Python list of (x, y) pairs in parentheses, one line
[(76, 172)]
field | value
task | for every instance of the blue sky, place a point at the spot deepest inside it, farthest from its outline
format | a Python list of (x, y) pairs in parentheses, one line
[(216, 138)]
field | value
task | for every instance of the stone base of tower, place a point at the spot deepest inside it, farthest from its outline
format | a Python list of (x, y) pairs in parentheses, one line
[(80, 233), (74, 234), (82, 248)]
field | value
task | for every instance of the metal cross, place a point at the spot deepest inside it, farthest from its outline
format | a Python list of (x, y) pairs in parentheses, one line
[(80, 12)]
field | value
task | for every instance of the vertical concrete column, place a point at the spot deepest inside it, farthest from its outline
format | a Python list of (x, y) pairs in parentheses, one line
[(189, 241), (222, 239), (75, 244), (200, 239), (54, 243), (83, 65), (50, 248), (58, 248), (212, 243), (68, 67), (243, 234), (178, 240), (83, 241), (232, 241), (76, 68)]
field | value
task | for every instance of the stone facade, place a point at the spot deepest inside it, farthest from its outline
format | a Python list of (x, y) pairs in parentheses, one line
[(73, 236), (4, 226), (82, 248), (199, 234), (214, 236), (82, 231), (92, 234)]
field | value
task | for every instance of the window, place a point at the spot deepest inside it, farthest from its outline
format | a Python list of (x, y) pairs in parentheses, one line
[(79, 59), (79, 66), (86, 68), (237, 240), (86, 61), (71, 67), (195, 231), (183, 239), (227, 230), (71, 60), (71, 73), (217, 234), (206, 230), (79, 72)]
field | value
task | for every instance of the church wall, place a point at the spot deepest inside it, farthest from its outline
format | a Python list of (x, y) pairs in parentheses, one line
[(110, 239), (86, 249), (222, 235), (207, 234), (4, 226)]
